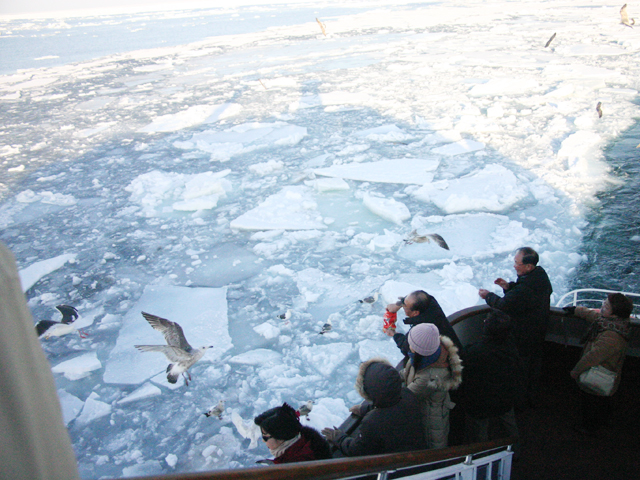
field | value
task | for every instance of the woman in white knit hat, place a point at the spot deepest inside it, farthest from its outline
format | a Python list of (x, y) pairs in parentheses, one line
[(434, 368)]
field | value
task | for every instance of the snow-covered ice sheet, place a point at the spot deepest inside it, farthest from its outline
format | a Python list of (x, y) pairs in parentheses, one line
[(402, 170)]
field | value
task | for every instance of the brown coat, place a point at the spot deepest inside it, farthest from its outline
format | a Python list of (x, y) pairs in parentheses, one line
[(607, 349)]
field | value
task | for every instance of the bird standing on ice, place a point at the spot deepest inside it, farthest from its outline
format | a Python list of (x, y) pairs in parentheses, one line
[(177, 349), (216, 411), (50, 328)]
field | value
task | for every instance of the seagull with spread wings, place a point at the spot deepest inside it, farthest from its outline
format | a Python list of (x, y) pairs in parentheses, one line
[(177, 349)]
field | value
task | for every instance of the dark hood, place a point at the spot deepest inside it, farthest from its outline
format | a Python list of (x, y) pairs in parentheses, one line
[(379, 382), (538, 281)]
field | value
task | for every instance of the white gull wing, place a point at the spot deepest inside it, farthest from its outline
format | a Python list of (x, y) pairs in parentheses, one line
[(172, 331)]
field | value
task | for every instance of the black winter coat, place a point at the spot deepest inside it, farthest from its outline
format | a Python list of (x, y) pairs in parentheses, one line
[(392, 422), (492, 384), (527, 302), (434, 315)]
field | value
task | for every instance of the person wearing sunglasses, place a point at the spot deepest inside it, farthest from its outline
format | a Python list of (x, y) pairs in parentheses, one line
[(287, 439)]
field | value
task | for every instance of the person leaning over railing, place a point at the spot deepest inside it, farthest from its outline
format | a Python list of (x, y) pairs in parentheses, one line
[(606, 346), (391, 417), (289, 441)]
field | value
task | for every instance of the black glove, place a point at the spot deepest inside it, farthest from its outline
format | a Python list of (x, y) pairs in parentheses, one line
[(570, 310), (332, 434)]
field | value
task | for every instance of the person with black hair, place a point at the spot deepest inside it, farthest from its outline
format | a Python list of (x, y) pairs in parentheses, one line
[(288, 440), (606, 345), (419, 307), (492, 381), (527, 301)]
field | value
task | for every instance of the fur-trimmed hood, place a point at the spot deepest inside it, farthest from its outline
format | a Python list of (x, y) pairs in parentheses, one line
[(379, 382), (449, 359)]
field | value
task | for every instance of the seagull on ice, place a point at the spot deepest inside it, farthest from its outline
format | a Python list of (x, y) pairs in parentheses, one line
[(285, 316), (415, 238), (326, 328), (624, 17), (50, 328), (216, 411), (371, 299), (305, 409), (177, 349)]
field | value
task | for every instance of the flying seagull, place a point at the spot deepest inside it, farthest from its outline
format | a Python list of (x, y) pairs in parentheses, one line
[(599, 109), (216, 411), (305, 409), (624, 17), (415, 238), (550, 40), (177, 349), (50, 328)]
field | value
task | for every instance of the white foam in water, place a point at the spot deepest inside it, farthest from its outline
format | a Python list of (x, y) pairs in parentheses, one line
[(342, 154)]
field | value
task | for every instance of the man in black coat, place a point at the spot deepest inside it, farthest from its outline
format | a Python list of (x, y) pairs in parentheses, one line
[(391, 420), (527, 302), (419, 307), (492, 381)]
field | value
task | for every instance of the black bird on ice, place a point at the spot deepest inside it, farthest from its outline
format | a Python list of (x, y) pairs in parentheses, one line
[(177, 349)]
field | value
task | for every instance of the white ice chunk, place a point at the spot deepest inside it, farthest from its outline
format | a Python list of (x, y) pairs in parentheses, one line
[(492, 234), (385, 242), (327, 412), (334, 290), (202, 314), (387, 208), (401, 170), (157, 191), (504, 86), (327, 184), (443, 136), (293, 208), (51, 198), (244, 138), (78, 367), (493, 189), (331, 98), (326, 358), (259, 356), (582, 153), (266, 168), (30, 275), (267, 330), (384, 133), (191, 117), (388, 349), (463, 146), (93, 409), (70, 405), (171, 460), (145, 391)]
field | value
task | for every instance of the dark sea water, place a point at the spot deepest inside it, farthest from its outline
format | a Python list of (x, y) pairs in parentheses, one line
[(612, 237)]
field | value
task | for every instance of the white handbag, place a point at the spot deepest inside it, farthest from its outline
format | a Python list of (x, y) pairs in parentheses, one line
[(598, 379)]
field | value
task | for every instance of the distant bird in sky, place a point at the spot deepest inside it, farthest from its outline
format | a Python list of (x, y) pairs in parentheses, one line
[(550, 40), (216, 411), (599, 109), (371, 299), (50, 328), (305, 409), (415, 238), (177, 349), (624, 17), (325, 328)]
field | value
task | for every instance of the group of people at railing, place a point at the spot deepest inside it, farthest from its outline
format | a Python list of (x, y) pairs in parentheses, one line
[(408, 407)]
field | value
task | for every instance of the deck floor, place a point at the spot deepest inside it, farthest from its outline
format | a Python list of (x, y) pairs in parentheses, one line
[(552, 449)]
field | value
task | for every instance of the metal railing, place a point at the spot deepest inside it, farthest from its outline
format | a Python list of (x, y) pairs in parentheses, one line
[(593, 297), (481, 461)]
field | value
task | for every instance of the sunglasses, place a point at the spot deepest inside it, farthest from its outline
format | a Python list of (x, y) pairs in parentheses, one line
[(400, 301), (266, 438)]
